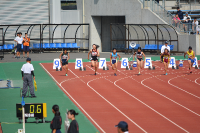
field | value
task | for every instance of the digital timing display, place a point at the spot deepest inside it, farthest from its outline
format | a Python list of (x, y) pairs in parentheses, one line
[(32, 110)]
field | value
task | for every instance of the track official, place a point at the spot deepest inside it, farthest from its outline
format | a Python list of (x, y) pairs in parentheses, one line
[(163, 49), (27, 73)]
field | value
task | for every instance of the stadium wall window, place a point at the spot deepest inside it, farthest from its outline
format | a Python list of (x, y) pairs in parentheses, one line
[(68, 5)]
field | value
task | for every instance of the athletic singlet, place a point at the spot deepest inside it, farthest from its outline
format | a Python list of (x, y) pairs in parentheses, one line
[(94, 53), (114, 56), (64, 56), (190, 55), (166, 55), (139, 55)]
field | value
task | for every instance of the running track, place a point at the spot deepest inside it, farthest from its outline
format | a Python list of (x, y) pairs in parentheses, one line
[(151, 102)]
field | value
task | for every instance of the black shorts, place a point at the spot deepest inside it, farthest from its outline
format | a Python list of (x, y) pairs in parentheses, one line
[(19, 47), (64, 62), (140, 59), (94, 59)]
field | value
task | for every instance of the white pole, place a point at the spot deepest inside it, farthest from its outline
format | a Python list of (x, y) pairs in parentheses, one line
[(23, 111)]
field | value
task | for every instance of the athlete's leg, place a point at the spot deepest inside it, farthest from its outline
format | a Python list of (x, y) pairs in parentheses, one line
[(189, 62), (138, 65), (96, 65), (165, 66), (141, 64), (66, 68), (93, 63), (115, 67)]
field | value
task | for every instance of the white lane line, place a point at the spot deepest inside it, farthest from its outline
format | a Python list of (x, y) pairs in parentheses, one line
[(167, 97), (76, 76), (148, 105), (93, 69), (67, 80), (180, 88), (196, 81), (114, 106), (73, 99)]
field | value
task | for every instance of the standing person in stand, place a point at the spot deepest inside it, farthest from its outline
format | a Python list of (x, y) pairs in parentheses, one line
[(26, 45), (19, 41)]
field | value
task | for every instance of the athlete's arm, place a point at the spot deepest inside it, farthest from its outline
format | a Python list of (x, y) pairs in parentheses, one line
[(68, 57), (60, 57), (110, 58), (89, 54), (193, 55), (119, 56), (144, 55), (161, 56), (98, 54), (185, 54)]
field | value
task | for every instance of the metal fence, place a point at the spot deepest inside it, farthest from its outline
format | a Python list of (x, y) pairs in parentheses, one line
[(48, 33), (143, 35), (1, 44)]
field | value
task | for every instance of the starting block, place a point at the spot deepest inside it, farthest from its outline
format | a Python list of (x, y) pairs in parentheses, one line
[(58, 69), (127, 68), (152, 68), (196, 67), (82, 68), (106, 68)]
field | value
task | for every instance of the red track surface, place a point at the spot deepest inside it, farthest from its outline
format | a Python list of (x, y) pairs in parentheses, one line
[(151, 102)]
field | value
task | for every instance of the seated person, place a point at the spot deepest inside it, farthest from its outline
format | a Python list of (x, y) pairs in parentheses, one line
[(176, 21), (187, 24), (195, 24)]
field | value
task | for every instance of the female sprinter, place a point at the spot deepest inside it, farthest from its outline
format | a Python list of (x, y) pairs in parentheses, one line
[(139, 54), (191, 56), (57, 120), (166, 59), (94, 57), (73, 128), (64, 57), (113, 60)]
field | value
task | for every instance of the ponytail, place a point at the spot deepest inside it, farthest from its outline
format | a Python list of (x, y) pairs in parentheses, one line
[(56, 109), (72, 112)]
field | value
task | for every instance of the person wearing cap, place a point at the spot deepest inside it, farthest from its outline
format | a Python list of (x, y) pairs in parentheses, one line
[(122, 127), (191, 57), (27, 73), (163, 49), (19, 40), (26, 45), (180, 13)]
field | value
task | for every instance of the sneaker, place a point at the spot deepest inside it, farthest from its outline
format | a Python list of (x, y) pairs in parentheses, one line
[(66, 75), (33, 96), (139, 73), (22, 57), (190, 71), (115, 74), (166, 74), (95, 74)]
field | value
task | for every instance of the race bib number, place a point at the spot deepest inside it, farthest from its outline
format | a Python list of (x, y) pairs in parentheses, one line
[(172, 62), (148, 62), (78, 63), (124, 62), (56, 63), (102, 63), (195, 62)]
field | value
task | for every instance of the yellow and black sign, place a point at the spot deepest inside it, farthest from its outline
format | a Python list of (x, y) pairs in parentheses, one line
[(38, 110)]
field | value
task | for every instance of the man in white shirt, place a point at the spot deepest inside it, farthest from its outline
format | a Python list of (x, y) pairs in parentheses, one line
[(27, 73), (195, 24), (19, 40), (122, 127), (186, 21), (163, 49)]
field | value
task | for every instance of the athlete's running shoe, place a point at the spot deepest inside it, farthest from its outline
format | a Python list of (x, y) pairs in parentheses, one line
[(190, 71), (139, 73), (95, 74), (115, 74), (166, 74), (66, 75)]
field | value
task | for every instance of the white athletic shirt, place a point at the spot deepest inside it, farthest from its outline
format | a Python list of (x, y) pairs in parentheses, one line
[(27, 68), (164, 47), (19, 39)]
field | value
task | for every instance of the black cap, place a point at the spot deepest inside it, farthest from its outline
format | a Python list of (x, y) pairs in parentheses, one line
[(28, 59), (190, 47), (166, 42), (122, 124)]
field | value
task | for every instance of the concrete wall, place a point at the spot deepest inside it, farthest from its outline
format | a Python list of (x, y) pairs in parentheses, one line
[(131, 9), (70, 16), (189, 40)]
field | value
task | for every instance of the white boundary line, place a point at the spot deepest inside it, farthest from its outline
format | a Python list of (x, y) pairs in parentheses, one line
[(180, 88), (114, 105), (196, 81), (73, 98), (149, 106), (167, 97)]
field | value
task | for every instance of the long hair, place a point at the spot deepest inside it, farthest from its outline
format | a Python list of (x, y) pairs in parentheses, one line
[(56, 109)]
